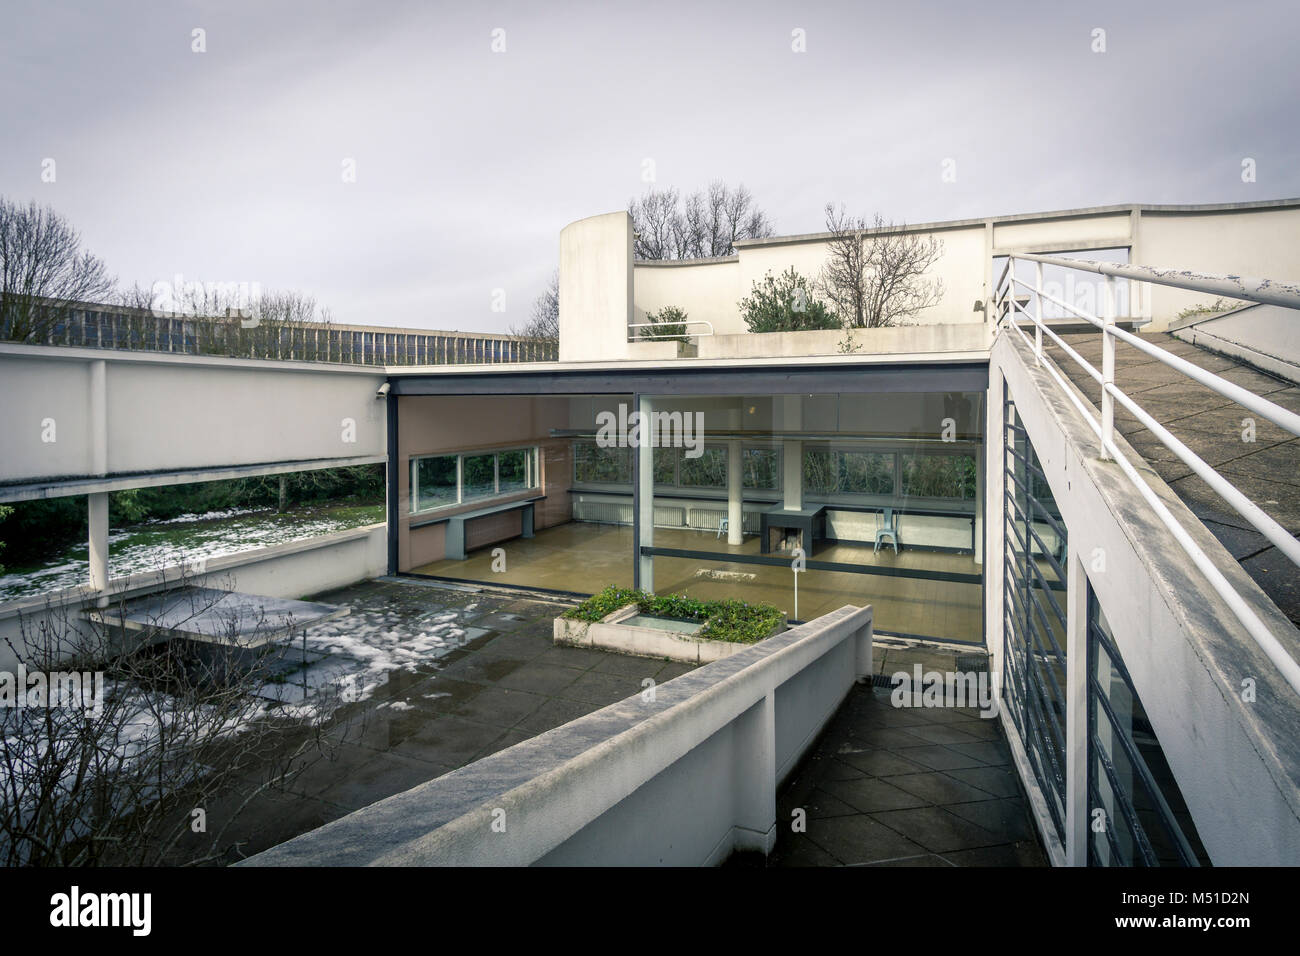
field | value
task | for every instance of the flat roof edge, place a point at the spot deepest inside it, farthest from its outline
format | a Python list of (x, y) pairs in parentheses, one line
[(1083, 212)]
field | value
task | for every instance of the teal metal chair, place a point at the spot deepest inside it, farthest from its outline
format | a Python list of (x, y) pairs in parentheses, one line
[(887, 528)]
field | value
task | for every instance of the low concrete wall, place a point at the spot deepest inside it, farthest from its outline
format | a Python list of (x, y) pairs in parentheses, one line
[(1266, 336), (1236, 761), (614, 634), (291, 570), (901, 340), (682, 776)]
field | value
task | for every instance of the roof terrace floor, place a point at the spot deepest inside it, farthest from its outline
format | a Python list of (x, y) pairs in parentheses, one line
[(1262, 460), (455, 674), (907, 786)]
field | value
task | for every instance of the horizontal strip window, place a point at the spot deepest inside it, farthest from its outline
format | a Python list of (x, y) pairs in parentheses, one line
[(721, 557), (445, 481), (831, 473)]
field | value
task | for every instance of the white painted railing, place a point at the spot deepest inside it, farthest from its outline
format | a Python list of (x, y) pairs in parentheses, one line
[(661, 335), (1238, 287)]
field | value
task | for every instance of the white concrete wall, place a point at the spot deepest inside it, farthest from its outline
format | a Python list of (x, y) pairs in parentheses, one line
[(154, 412), (293, 570), (596, 299), (705, 288), (1258, 240), (1237, 762), (681, 779), (1262, 242), (1266, 336)]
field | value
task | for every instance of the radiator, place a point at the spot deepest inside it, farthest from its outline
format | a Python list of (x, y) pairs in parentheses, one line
[(710, 519), (616, 512)]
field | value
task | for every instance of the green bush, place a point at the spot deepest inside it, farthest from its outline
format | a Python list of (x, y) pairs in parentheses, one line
[(730, 620), (785, 303), (668, 325)]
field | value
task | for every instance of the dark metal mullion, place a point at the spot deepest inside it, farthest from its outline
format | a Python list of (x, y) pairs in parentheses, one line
[(1125, 805), (1040, 697), (1039, 646), (636, 503), (1036, 649), (1056, 781), (1029, 525), (1012, 676), (1046, 588), (1030, 663), (1095, 797), (1040, 751), (1031, 673), (1163, 810), (1027, 463), (1052, 520), (394, 501)]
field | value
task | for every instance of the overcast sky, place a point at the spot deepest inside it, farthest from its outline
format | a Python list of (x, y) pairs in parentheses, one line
[(227, 165)]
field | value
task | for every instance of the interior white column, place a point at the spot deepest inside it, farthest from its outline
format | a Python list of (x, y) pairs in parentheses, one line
[(792, 452), (646, 497), (995, 463), (792, 474), (980, 467), (735, 495)]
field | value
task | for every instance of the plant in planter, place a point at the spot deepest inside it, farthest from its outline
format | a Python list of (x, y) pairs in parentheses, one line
[(730, 620)]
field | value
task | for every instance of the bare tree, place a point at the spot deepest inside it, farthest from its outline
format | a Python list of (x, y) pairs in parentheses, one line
[(177, 735), (544, 322), (704, 225), (875, 271), (272, 324), (43, 269)]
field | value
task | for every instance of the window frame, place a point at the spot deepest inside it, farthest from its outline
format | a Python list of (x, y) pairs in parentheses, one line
[(532, 476)]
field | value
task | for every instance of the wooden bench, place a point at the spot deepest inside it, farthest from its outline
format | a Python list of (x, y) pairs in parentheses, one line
[(455, 541)]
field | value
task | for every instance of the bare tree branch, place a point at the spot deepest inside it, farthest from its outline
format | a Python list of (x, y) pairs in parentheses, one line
[(704, 225), (875, 271), (42, 270)]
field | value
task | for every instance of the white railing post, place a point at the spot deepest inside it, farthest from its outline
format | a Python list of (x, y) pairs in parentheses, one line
[(1038, 313), (1107, 371)]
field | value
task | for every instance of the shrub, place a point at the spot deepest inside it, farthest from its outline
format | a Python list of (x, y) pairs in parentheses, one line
[(667, 325), (785, 303), (729, 620)]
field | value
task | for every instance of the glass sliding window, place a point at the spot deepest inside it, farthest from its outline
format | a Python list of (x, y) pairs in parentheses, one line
[(666, 466), (594, 464), (762, 468), (433, 482), (865, 473), (515, 468), (939, 476), (848, 472), (707, 471), (1147, 820), (441, 480), (819, 471), (479, 477)]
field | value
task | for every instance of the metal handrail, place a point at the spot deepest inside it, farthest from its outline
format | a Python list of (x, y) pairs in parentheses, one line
[(671, 335), (1259, 290)]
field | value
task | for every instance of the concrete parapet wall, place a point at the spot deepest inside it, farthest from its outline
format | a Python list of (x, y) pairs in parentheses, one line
[(1236, 760), (681, 777), (291, 570)]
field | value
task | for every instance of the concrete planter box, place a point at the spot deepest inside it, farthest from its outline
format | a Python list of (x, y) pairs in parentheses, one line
[(612, 634)]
